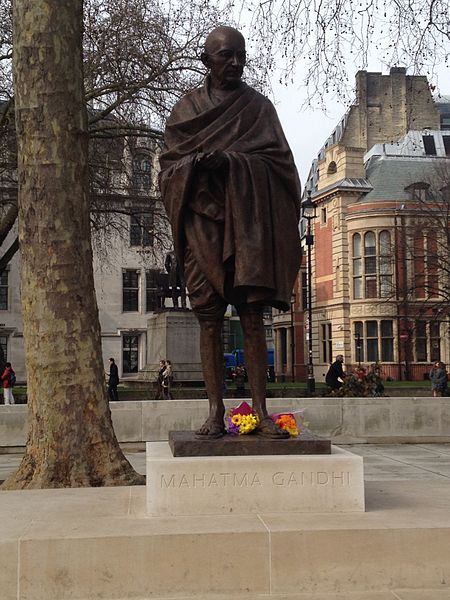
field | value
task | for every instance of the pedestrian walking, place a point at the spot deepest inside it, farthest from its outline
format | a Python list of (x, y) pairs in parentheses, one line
[(113, 380), (8, 382), (167, 381), (438, 378), (159, 380)]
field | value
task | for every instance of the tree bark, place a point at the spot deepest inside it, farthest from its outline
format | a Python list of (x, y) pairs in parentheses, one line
[(71, 440)]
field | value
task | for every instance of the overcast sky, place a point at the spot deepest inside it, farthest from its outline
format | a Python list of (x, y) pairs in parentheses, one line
[(306, 129)]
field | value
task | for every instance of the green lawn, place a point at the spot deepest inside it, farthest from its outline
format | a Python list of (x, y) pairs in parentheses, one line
[(281, 389)]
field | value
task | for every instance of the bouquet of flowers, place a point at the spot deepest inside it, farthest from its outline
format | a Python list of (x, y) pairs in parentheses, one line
[(293, 423), (241, 419)]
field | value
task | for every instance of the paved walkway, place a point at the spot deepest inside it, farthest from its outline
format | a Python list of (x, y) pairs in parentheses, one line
[(399, 462), (407, 489)]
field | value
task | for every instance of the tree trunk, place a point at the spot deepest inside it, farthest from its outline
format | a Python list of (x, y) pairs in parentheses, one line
[(71, 440)]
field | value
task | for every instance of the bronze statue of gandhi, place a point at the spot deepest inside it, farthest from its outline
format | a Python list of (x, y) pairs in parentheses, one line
[(232, 194)]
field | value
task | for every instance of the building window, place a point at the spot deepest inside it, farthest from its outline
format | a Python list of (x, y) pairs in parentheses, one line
[(429, 145), (421, 341), (130, 289), (3, 348), (372, 268), (446, 139), (141, 229), (357, 267), (268, 332), (323, 216), (427, 341), (435, 340), (332, 168), (359, 341), (370, 265), (142, 169), (387, 341), (327, 343), (418, 191), (371, 336), (372, 341), (385, 264), (130, 353), (151, 290), (4, 291)]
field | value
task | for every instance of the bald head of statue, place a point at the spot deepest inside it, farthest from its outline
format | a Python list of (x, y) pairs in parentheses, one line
[(225, 57)]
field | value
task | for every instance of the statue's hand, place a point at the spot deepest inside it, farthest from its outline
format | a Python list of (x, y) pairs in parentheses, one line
[(213, 160)]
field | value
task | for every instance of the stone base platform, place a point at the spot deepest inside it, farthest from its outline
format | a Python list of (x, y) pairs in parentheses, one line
[(82, 544), (186, 443), (217, 485)]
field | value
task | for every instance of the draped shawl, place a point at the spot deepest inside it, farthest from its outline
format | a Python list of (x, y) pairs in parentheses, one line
[(254, 203)]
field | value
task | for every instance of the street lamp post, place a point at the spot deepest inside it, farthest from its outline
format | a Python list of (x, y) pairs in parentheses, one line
[(309, 213), (293, 298)]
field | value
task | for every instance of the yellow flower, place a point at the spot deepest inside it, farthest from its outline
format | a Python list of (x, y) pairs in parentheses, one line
[(292, 431), (248, 424), (236, 420)]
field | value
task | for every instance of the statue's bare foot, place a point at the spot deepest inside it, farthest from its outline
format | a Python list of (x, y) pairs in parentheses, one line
[(268, 429), (212, 428)]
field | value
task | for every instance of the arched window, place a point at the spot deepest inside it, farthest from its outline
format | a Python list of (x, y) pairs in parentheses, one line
[(332, 168), (385, 264), (370, 265), (357, 267), (142, 170)]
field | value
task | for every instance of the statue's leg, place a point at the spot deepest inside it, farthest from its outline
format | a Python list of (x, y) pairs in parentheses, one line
[(255, 350), (211, 352), (209, 308)]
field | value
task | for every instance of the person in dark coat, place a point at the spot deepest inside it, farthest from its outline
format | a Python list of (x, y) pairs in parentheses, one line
[(113, 380), (438, 378), (232, 194), (335, 373)]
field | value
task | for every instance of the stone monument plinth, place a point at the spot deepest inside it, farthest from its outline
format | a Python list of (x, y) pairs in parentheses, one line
[(175, 335), (223, 485), (186, 443)]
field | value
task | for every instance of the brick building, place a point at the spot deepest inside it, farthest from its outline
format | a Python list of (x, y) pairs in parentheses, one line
[(375, 185)]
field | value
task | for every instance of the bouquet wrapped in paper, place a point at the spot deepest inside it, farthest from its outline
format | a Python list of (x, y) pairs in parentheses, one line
[(292, 422), (241, 419)]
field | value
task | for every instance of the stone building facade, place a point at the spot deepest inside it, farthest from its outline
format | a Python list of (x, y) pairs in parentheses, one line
[(370, 184), (130, 239)]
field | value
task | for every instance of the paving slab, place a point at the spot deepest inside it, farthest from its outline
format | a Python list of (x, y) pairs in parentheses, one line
[(83, 539)]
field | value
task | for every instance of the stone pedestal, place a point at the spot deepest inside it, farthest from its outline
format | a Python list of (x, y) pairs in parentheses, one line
[(175, 335), (223, 485), (186, 443)]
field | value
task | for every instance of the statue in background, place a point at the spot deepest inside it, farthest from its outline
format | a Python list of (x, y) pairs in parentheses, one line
[(177, 285)]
